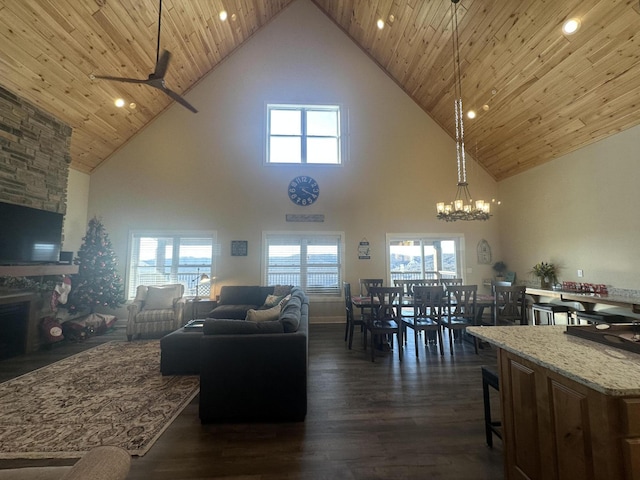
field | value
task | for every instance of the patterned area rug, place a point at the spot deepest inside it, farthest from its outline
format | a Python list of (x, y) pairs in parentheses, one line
[(113, 394)]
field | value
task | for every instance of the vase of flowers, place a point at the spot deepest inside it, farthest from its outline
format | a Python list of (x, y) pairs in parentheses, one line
[(546, 272)]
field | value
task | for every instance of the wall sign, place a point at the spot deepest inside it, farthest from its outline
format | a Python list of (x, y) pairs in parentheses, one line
[(292, 217), (364, 250), (239, 248)]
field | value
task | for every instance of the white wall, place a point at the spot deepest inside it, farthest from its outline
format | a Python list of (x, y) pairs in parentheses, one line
[(580, 212), (205, 170)]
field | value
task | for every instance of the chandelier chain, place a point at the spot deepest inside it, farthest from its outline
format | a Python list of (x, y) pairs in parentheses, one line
[(463, 207)]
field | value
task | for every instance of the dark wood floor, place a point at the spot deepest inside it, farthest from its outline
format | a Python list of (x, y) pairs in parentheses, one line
[(421, 419)]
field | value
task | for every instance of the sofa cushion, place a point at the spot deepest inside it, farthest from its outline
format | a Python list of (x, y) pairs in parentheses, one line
[(290, 314), (243, 295), (269, 314), (242, 327), (234, 312), (272, 300), (160, 298)]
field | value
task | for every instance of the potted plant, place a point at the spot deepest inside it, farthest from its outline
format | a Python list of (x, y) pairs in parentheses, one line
[(500, 267), (546, 272)]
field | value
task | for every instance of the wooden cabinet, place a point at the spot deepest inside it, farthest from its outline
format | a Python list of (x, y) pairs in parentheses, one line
[(556, 428)]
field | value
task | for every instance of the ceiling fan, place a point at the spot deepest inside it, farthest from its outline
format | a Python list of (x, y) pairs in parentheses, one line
[(156, 79)]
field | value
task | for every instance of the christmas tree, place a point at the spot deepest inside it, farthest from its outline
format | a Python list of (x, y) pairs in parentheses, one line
[(97, 282)]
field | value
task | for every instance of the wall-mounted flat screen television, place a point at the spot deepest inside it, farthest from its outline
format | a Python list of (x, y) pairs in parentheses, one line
[(29, 235)]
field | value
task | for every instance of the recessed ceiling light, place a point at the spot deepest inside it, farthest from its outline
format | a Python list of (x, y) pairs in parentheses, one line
[(223, 15), (485, 107), (391, 18), (471, 114), (132, 105), (571, 26), (380, 24), (119, 102), (234, 17)]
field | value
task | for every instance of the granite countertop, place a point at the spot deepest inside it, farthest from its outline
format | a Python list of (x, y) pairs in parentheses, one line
[(605, 369)]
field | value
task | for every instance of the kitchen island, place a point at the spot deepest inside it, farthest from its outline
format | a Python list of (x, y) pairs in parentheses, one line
[(570, 406)]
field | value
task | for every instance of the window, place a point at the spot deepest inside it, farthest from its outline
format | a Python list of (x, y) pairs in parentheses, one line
[(418, 257), (157, 258), (304, 134), (313, 261)]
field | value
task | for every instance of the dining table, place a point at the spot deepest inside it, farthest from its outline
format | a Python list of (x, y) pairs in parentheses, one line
[(363, 302)]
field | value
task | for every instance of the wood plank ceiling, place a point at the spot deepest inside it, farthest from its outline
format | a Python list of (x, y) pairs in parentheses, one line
[(544, 93)]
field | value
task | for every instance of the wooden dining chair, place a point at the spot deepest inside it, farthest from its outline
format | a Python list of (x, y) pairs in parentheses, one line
[(461, 311), (351, 320), (366, 283), (509, 305), (446, 282), (407, 286), (427, 309), (386, 319)]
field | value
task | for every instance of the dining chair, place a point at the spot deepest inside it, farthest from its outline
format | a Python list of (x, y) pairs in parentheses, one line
[(446, 282), (461, 311), (386, 319), (427, 309), (509, 306), (407, 286), (352, 321), (366, 283)]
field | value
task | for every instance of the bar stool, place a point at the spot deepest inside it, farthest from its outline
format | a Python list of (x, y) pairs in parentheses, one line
[(491, 427), (550, 310)]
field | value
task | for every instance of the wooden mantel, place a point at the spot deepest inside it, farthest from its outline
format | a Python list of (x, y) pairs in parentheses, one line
[(37, 270)]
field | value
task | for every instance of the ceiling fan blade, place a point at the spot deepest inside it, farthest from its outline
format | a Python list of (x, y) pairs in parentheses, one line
[(121, 79), (163, 63), (179, 99)]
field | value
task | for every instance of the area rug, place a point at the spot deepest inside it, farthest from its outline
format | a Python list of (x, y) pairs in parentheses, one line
[(113, 394)]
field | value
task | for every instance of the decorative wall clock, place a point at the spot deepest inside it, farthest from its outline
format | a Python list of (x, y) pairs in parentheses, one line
[(303, 190)]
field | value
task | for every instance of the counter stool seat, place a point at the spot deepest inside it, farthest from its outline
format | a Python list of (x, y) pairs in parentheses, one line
[(491, 427), (550, 310)]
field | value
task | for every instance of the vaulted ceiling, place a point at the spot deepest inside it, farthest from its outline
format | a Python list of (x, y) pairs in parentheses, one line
[(539, 93)]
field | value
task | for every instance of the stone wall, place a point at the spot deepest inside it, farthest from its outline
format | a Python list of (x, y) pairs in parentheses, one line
[(34, 155)]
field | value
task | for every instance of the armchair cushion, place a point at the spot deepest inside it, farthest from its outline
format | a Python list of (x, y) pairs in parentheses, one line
[(159, 315), (160, 298)]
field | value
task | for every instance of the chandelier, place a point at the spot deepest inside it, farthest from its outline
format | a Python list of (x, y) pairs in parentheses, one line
[(462, 207)]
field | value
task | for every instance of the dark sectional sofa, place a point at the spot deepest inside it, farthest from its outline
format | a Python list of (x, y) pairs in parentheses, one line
[(247, 375), (250, 371)]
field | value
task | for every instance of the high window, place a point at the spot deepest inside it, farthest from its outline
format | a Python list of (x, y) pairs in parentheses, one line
[(417, 257), (311, 260), (158, 258), (304, 134)]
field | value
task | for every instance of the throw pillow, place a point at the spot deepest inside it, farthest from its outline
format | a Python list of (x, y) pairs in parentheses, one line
[(267, 315), (160, 298), (282, 289), (272, 300), (284, 301)]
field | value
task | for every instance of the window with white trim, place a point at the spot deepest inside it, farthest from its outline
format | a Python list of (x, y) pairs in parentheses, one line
[(158, 258), (304, 134), (413, 257), (312, 261)]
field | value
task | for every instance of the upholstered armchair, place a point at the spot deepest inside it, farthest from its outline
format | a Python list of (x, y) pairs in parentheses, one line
[(156, 309)]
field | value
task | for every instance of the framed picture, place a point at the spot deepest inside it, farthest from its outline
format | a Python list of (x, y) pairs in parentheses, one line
[(239, 248)]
